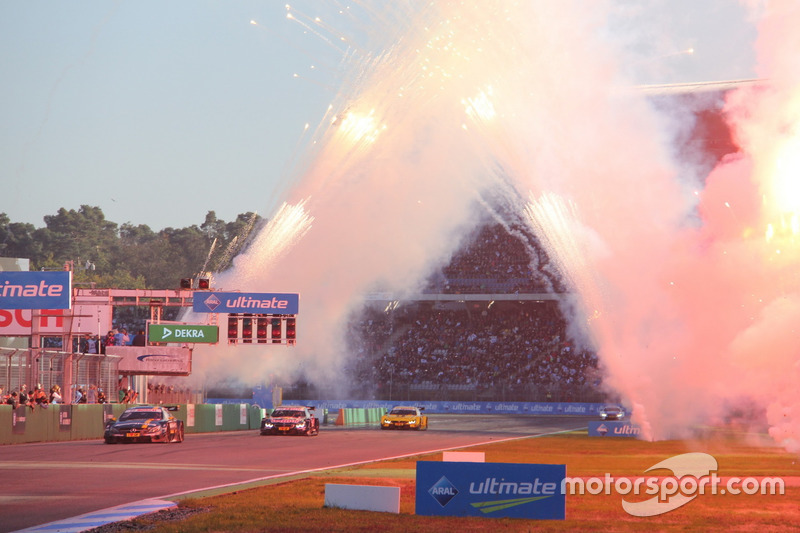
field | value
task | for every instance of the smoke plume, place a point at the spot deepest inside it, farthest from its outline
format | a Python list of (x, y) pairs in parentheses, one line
[(685, 282)]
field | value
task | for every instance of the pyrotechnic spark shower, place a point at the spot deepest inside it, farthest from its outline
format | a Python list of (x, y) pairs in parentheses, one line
[(440, 102)]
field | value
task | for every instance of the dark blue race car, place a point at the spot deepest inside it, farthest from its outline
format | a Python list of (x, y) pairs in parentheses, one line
[(145, 423)]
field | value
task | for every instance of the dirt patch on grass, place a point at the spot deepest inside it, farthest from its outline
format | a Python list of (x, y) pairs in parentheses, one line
[(149, 521)]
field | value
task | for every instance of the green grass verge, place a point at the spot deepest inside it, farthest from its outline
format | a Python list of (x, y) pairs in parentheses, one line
[(297, 505)]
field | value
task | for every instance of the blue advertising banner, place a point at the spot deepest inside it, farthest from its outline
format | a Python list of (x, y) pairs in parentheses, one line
[(613, 428), (36, 290), (245, 302), (493, 490), (483, 408)]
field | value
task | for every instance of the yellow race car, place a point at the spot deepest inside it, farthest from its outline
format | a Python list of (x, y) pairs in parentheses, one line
[(404, 417)]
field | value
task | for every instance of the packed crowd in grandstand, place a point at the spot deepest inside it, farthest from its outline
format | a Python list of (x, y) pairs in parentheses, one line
[(515, 349), (485, 349), (499, 259)]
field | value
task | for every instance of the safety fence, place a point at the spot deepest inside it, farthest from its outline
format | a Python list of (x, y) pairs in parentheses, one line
[(51, 367), (79, 422)]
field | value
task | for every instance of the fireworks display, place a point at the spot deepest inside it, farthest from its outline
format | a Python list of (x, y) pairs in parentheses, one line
[(687, 283)]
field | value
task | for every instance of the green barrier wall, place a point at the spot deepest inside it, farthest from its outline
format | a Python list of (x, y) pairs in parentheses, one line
[(204, 419), (255, 417), (362, 417), (83, 422)]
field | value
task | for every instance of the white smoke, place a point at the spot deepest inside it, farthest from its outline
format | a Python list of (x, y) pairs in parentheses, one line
[(449, 100)]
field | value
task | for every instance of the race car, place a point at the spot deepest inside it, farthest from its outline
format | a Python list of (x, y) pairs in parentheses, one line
[(145, 423), (404, 417), (290, 420), (612, 412)]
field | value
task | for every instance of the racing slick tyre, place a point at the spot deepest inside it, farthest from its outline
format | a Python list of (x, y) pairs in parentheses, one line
[(179, 435), (110, 441)]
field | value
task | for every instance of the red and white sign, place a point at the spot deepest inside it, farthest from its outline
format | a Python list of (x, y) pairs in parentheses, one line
[(17, 322), (94, 319)]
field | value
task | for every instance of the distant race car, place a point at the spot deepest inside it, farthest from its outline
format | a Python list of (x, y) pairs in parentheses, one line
[(145, 423), (612, 412), (290, 420), (404, 417)]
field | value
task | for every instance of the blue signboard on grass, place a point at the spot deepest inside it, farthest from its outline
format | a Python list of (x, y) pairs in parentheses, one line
[(493, 490), (613, 428), (36, 290), (245, 302)]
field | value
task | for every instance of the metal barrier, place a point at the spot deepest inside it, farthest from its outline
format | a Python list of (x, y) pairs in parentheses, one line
[(51, 367), (82, 422)]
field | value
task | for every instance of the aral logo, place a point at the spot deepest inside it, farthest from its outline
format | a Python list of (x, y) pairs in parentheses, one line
[(602, 429), (443, 491), (212, 302)]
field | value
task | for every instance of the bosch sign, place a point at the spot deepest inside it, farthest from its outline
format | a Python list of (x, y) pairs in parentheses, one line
[(36, 290), (243, 302)]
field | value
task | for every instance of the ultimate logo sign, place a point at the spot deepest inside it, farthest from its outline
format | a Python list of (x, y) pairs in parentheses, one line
[(501, 490), (246, 302), (36, 290)]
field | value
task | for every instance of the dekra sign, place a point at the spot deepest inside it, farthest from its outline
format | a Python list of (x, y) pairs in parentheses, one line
[(185, 333)]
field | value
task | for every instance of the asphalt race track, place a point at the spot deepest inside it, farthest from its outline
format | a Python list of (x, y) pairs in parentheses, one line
[(46, 482)]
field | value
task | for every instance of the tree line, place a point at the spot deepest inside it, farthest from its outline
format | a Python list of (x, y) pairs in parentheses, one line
[(104, 254)]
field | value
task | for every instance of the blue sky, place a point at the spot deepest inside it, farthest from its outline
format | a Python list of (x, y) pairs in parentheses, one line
[(158, 112)]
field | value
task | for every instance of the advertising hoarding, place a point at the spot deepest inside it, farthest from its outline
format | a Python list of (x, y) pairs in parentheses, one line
[(613, 428), (36, 290), (85, 317), (246, 302), (154, 360), (492, 490), (186, 333), (469, 407)]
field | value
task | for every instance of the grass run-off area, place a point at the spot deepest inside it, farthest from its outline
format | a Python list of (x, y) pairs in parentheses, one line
[(297, 505)]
